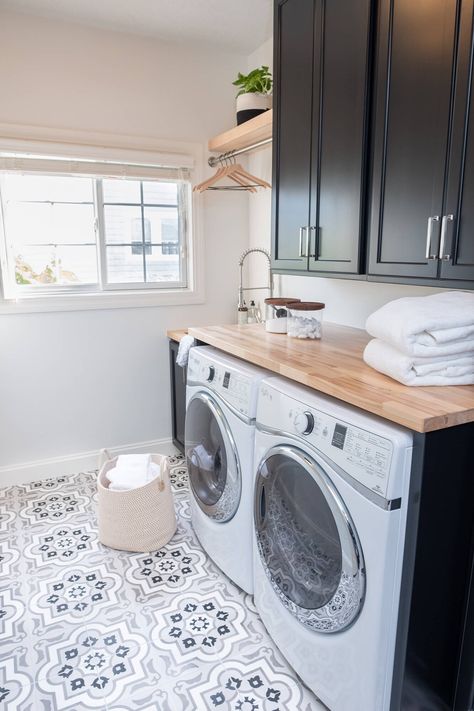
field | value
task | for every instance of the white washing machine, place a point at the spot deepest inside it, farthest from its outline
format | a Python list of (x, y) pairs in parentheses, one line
[(221, 403), (330, 504)]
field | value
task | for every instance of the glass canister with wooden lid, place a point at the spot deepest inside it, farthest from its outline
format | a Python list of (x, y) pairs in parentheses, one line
[(305, 319), (276, 313)]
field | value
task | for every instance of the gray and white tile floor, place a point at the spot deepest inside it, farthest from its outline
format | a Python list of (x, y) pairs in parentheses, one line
[(85, 627)]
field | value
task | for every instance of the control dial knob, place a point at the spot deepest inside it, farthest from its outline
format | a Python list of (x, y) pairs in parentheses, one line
[(211, 371), (304, 423)]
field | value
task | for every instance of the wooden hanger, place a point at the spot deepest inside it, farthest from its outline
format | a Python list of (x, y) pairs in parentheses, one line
[(243, 179)]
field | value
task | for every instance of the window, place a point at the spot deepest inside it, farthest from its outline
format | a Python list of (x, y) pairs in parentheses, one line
[(71, 233)]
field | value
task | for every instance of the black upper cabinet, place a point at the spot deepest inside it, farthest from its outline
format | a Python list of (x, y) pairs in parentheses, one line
[(292, 130), (422, 220), (413, 87), (321, 83), (457, 248)]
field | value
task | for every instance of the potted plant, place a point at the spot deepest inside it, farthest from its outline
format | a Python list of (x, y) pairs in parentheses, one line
[(254, 95)]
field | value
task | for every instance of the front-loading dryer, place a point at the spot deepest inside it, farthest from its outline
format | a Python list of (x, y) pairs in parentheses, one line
[(221, 402), (330, 502)]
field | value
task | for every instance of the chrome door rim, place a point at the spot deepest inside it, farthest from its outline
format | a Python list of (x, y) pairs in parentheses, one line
[(226, 506), (341, 611)]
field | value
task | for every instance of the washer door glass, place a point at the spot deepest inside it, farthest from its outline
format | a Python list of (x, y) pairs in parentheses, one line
[(211, 456), (307, 541)]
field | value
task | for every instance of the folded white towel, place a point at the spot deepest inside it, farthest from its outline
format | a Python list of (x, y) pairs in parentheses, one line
[(133, 461), (125, 480), (410, 370), (441, 324), (185, 345)]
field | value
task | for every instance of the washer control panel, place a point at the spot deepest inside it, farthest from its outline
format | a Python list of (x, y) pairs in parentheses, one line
[(233, 386), (361, 453)]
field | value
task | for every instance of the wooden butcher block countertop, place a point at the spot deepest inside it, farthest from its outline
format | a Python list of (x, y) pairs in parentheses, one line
[(334, 366)]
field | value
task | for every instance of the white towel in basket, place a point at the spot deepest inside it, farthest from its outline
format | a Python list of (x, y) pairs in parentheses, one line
[(132, 471)]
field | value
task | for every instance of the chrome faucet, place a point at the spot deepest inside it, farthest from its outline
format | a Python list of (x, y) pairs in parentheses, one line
[(255, 288)]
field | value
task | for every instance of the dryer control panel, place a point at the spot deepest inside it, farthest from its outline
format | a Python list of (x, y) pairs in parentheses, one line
[(363, 453), (234, 387)]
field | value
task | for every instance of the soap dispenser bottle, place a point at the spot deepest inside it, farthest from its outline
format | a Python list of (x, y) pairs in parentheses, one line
[(252, 313)]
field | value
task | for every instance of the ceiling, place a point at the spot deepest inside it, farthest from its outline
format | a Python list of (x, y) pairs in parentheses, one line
[(237, 25)]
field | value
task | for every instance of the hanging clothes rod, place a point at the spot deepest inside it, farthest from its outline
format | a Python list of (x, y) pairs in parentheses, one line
[(215, 160)]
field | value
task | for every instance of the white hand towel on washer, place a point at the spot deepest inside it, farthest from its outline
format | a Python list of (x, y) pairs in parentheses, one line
[(185, 345), (410, 370), (441, 324)]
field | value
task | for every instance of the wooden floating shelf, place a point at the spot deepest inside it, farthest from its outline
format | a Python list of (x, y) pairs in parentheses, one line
[(253, 131)]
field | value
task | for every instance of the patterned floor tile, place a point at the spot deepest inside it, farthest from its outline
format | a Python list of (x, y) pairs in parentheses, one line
[(65, 544), (172, 569), (12, 610), (94, 666), (7, 517), (199, 627), (236, 686), (55, 508), (83, 626), (76, 595), (16, 688), (182, 506), (9, 558)]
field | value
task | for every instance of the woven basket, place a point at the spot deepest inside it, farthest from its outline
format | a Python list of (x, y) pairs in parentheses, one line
[(140, 520)]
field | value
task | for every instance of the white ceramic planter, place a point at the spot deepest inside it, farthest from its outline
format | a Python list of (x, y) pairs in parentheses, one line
[(252, 104)]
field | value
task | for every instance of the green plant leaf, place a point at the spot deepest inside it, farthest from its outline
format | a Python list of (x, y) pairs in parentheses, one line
[(257, 81)]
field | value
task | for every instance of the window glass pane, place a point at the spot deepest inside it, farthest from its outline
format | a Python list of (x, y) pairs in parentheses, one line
[(156, 193), (55, 188), (163, 263), (123, 224), (63, 265), (124, 264), (119, 190), (162, 223), (49, 223), (50, 230)]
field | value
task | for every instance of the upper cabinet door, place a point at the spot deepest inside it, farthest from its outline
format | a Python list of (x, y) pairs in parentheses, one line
[(341, 69), (294, 21), (457, 244), (416, 40)]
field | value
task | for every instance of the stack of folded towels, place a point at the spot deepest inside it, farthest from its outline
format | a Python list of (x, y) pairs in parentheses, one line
[(132, 471), (426, 340)]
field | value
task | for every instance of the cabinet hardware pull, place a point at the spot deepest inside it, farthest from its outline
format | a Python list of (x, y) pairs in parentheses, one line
[(317, 232), (429, 233), (444, 229), (301, 253)]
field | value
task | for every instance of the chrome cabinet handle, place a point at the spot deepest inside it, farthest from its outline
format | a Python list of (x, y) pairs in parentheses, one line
[(429, 233), (302, 231), (444, 230), (316, 242)]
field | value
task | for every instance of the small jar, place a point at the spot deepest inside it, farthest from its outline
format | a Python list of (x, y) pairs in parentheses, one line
[(276, 312), (305, 319), (242, 314)]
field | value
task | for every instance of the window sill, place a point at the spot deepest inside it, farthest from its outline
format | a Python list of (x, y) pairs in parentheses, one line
[(100, 300)]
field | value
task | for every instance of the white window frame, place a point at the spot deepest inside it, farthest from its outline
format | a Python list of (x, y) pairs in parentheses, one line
[(147, 153)]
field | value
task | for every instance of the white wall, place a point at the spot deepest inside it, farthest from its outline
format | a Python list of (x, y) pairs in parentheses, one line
[(347, 302), (76, 381)]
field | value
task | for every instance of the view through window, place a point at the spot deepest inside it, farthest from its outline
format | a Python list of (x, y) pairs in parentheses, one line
[(65, 233)]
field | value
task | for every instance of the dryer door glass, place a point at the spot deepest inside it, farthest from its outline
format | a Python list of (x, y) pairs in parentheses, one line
[(213, 466), (306, 541)]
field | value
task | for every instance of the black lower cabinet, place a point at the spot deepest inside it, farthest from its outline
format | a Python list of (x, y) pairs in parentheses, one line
[(434, 660), (178, 397)]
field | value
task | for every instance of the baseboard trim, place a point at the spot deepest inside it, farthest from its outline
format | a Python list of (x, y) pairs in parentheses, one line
[(25, 472)]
